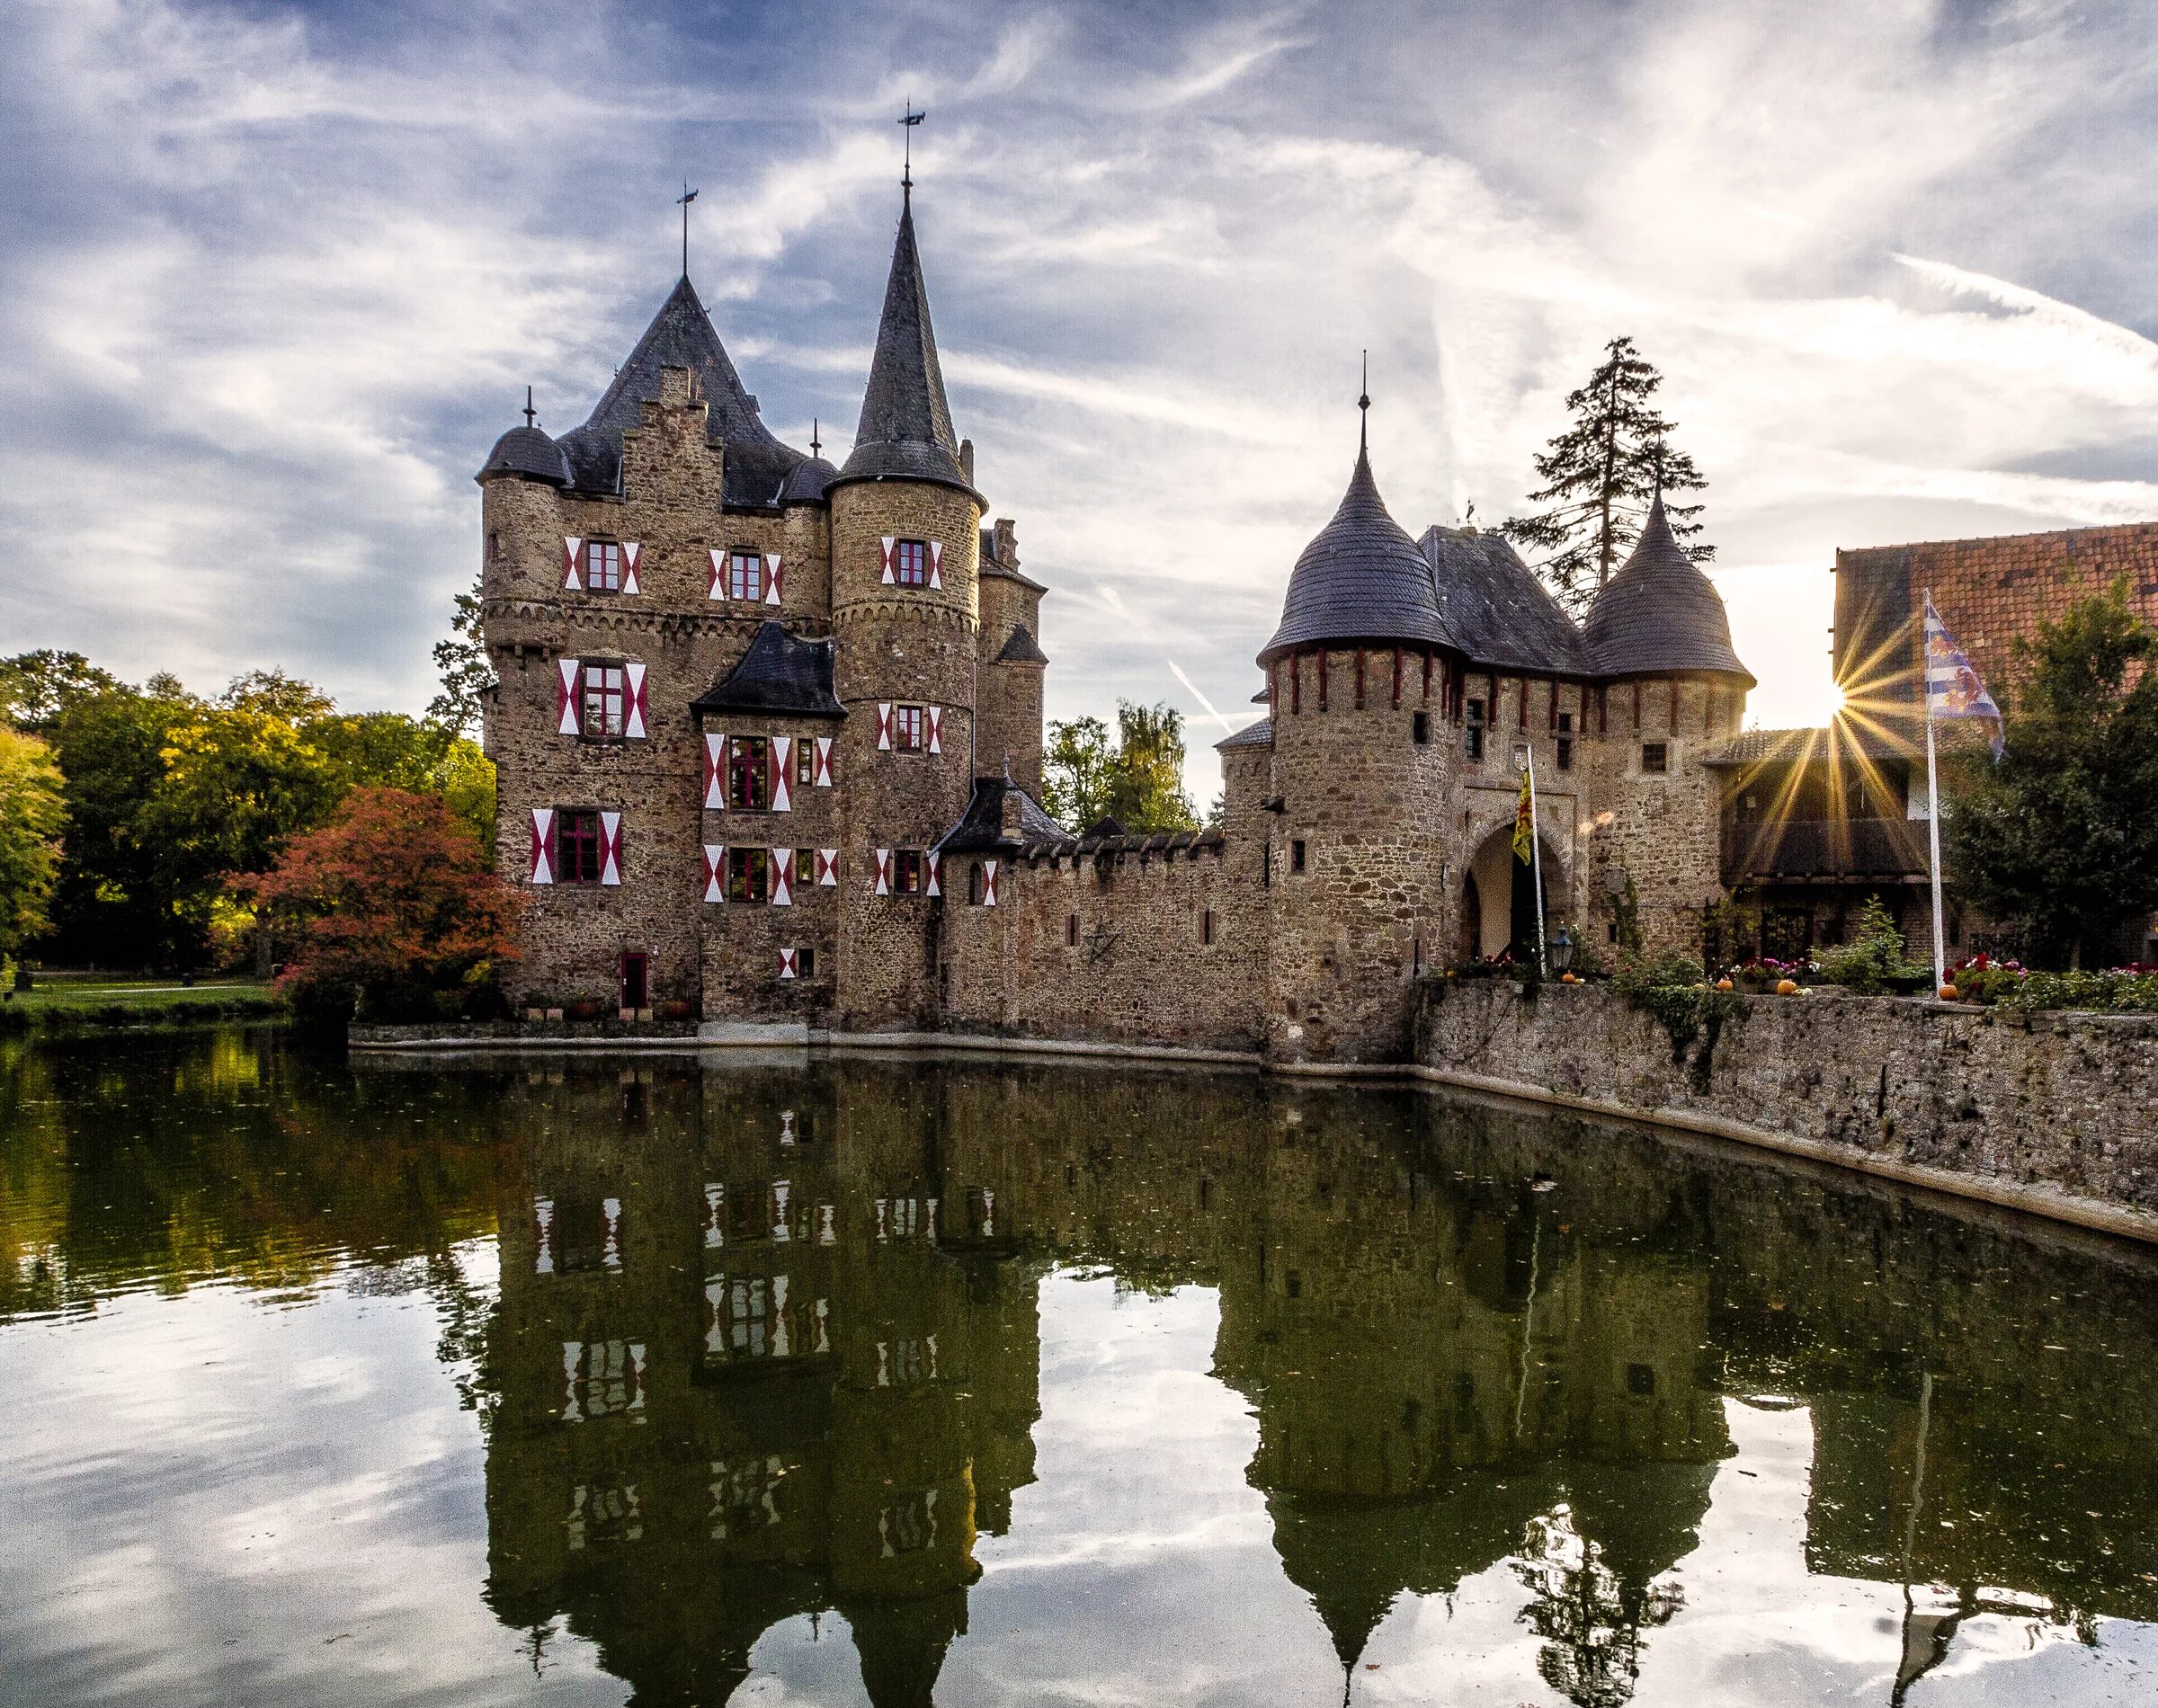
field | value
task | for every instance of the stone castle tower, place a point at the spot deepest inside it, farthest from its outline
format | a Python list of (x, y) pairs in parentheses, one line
[(769, 740)]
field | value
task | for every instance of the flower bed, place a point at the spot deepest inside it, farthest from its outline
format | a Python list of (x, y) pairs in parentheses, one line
[(2132, 989)]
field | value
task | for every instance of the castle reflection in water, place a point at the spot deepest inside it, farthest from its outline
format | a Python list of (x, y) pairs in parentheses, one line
[(768, 1345)]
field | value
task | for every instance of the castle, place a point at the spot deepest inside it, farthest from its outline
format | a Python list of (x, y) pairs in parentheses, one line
[(769, 735)]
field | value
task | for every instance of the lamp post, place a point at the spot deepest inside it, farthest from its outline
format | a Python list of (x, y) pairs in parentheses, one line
[(1562, 950)]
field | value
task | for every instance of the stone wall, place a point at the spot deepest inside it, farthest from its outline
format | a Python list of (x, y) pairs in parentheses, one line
[(2062, 1104)]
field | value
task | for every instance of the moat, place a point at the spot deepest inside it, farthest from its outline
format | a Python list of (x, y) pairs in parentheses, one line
[(845, 1380)]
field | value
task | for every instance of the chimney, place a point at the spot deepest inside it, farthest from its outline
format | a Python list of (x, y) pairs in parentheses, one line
[(966, 460), (1008, 820)]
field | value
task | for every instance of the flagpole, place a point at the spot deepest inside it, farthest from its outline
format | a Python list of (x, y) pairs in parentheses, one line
[(1536, 864), (1940, 954)]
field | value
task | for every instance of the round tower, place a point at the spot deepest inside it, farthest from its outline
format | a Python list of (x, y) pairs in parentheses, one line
[(1356, 854), (1673, 690), (906, 561)]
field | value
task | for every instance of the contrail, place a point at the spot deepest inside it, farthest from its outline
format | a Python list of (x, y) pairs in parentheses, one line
[(1115, 601), (1203, 700)]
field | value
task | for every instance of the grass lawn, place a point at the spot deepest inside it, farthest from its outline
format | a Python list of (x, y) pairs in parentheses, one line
[(100, 1002)]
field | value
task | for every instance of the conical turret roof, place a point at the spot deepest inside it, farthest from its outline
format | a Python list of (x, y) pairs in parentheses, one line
[(1658, 613), (905, 432), (1361, 579), (681, 335)]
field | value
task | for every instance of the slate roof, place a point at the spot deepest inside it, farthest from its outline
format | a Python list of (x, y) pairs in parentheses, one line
[(1495, 607), (681, 336), (1658, 613), (980, 828), (993, 566), (1361, 579), (1021, 648), (777, 673), (526, 451), (1259, 734), (807, 484), (905, 432)]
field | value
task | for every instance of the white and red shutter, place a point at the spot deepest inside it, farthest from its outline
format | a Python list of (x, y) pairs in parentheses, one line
[(890, 546), (936, 562), (782, 877), (934, 717), (611, 848), (989, 883), (782, 773), (827, 866), (931, 861), (630, 549), (633, 680), (572, 563), (824, 761), (715, 873), (714, 771), (715, 578), (786, 964), (884, 871), (772, 593), (884, 726), (567, 697), (543, 845)]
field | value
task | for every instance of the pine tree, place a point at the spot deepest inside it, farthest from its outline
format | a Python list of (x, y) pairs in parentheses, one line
[(1600, 477)]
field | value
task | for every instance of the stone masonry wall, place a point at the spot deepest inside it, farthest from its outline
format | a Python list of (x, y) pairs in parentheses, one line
[(2064, 1102)]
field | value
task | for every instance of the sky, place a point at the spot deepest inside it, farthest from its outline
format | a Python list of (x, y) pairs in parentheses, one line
[(273, 277)]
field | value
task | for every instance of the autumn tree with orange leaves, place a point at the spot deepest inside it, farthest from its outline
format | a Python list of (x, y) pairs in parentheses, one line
[(391, 911)]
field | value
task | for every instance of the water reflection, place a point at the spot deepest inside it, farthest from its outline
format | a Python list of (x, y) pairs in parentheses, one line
[(767, 1341)]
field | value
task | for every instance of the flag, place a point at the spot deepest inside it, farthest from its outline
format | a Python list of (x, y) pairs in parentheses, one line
[(1524, 823), (1952, 687)]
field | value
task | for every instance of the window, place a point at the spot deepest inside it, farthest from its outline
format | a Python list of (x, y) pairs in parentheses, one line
[(1420, 728), (805, 760), (1640, 1380), (907, 868), (1206, 925), (493, 544), (1296, 856), (602, 567), (805, 962), (1071, 932), (1655, 758), (748, 773), (1565, 741), (748, 874), (606, 702), (745, 576), (910, 563), (804, 878), (1472, 735), (975, 883), (909, 728), (577, 845)]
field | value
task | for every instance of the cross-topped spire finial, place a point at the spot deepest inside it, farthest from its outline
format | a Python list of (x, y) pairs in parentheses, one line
[(1363, 402), (815, 444), (684, 200), (529, 412), (907, 175)]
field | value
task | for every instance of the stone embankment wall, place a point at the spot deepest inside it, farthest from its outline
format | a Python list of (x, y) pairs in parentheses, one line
[(2058, 1113)]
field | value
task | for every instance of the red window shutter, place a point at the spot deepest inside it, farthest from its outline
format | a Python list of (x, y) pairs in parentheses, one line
[(824, 761), (888, 543), (715, 863), (630, 549), (772, 594), (778, 758), (936, 562), (989, 883), (543, 845), (936, 729), (827, 866), (884, 871), (782, 877), (611, 848), (567, 710), (931, 861), (572, 563), (633, 675), (714, 771), (786, 964), (883, 725), (715, 575)]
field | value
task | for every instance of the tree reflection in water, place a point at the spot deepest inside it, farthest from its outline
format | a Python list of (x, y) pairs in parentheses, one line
[(767, 1338)]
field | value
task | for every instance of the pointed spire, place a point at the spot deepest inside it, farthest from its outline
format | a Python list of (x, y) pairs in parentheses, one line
[(905, 432), (1363, 403)]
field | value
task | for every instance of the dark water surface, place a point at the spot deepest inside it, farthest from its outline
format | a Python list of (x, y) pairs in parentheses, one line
[(769, 1381)]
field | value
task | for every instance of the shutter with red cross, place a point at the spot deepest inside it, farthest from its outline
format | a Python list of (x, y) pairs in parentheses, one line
[(567, 697), (936, 562), (611, 848), (934, 717), (633, 677), (989, 883), (714, 771), (884, 726), (827, 866), (884, 871), (931, 861), (824, 761), (787, 963), (543, 845), (889, 577), (780, 762), (782, 877), (772, 570), (630, 552), (715, 872), (715, 576), (572, 563)]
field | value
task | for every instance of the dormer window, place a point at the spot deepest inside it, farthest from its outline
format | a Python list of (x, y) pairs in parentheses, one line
[(910, 563), (602, 567)]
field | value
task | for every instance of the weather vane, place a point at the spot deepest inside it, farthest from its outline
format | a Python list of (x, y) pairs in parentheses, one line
[(684, 200), (912, 119), (1363, 402)]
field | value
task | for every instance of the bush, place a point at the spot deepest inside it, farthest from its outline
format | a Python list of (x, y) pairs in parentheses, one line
[(1873, 958)]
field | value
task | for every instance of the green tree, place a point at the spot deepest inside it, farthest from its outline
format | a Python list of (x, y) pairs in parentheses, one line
[(36, 688), (2061, 833), (1075, 771), (1600, 477), (461, 659), (1147, 782), (33, 810)]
